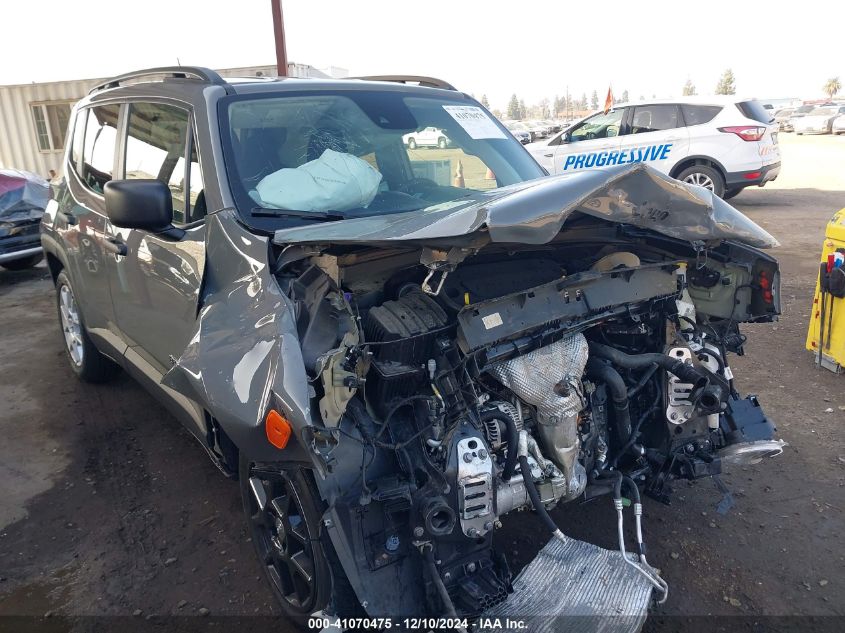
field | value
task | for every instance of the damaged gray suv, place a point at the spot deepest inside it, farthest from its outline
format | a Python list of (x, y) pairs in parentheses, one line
[(395, 349)]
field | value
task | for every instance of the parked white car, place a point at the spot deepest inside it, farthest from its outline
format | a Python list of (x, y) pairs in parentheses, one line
[(427, 137), (721, 143), (819, 120), (839, 124)]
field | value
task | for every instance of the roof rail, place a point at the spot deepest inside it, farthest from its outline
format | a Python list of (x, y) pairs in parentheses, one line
[(428, 82), (174, 72)]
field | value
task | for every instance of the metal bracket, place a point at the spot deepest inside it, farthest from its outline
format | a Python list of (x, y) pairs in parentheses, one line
[(426, 284)]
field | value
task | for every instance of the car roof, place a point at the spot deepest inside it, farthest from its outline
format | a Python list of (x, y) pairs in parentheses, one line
[(186, 89), (717, 100)]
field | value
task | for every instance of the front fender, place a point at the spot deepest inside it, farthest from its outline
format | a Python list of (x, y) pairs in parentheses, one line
[(244, 357)]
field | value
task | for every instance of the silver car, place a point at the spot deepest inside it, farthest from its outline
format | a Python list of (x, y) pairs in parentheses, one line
[(819, 120)]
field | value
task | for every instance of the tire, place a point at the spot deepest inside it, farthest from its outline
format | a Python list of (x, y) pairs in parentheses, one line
[(442, 143), (704, 175), (23, 263), (730, 193), (412, 144), (290, 542), (87, 362)]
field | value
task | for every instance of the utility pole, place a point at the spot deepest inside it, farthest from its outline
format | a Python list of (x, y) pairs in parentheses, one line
[(279, 34)]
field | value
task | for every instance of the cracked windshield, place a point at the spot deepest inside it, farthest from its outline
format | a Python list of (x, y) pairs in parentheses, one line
[(359, 153)]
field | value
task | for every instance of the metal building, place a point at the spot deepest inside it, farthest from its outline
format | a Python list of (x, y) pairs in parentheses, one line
[(34, 117)]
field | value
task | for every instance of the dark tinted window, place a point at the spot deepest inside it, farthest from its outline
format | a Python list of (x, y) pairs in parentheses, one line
[(98, 149), (698, 114), (155, 148), (654, 118), (755, 110)]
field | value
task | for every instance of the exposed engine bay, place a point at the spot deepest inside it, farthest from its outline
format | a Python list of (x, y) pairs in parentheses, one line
[(455, 384)]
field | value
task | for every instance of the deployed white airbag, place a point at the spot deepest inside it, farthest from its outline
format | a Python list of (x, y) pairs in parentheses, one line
[(334, 182)]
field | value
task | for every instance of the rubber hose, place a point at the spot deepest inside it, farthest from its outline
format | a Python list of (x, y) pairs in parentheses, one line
[(619, 395), (676, 366), (647, 374), (594, 491), (632, 486), (534, 495), (513, 439), (635, 430), (438, 583), (617, 484)]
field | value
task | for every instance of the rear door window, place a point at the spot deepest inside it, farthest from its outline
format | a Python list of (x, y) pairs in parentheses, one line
[(699, 114), (655, 118), (99, 147), (155, 149), (754, 110)]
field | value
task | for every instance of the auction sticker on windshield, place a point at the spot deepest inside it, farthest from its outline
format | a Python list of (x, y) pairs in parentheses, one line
[(475, 121)]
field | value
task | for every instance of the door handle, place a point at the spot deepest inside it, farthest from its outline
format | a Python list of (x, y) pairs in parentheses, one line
[(548, 155), (115, 245)]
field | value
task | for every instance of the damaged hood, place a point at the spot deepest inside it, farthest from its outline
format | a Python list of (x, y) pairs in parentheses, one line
[(534, 212)]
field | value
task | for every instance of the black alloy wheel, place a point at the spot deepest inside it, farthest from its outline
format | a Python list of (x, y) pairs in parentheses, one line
[(281, 535)]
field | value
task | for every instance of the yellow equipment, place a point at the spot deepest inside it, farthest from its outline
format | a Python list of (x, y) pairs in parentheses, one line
[(826, 335)]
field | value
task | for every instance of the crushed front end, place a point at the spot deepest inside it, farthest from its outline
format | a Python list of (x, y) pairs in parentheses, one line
[(459, 380)]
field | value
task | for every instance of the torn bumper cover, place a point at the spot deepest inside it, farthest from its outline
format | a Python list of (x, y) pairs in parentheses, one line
[(536, 211)]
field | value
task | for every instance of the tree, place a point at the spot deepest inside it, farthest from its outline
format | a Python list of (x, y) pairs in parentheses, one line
[(689, 88), (832, 86), (624, 96), (484, 101), (544, 108), (727, 83), (513, 108), (594, 101), (582, 103), (523, 111)]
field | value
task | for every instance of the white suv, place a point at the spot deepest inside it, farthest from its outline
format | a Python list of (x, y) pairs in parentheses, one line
[(721, 143), (427, 137)]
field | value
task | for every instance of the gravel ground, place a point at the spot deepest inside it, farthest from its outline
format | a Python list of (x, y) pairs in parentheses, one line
[(108, 507)]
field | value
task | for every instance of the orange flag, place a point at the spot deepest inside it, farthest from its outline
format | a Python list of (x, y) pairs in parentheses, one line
[(608, 101)]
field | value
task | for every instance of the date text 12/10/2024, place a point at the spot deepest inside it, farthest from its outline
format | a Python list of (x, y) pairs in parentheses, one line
[(422, 624)]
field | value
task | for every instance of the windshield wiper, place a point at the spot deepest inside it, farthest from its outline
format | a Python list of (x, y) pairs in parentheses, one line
[(317, 216)]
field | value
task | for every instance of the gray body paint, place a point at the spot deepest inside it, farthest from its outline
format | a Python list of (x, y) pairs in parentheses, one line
[(535, 212)]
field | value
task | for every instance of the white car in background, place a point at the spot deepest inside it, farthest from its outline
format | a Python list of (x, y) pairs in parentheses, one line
[(427, 137), (723, 144), (819, 120), (838, 126)]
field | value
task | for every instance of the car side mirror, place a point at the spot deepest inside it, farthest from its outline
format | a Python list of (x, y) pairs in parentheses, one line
[(139, 204), (567, 137)]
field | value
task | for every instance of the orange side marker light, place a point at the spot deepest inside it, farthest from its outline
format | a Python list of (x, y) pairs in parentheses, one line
[(278, 429)]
